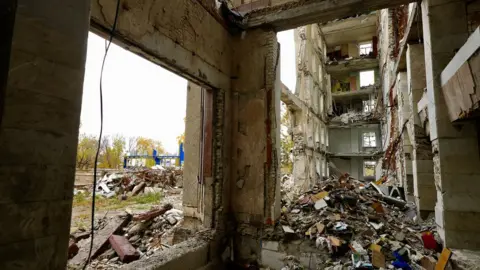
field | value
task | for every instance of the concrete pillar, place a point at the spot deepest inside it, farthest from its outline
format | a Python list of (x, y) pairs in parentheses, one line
[(405, 149), (456, 155), (255, 121), (39, 130), (422, 157)]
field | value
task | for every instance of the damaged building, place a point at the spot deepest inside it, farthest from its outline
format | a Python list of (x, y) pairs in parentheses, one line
[(386, 94)]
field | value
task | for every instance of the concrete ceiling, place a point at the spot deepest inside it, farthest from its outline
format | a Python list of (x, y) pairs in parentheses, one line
[(351, 30)]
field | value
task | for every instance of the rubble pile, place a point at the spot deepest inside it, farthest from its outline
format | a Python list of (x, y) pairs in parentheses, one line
[(351, 117), (131, 183), (138, 236), (358, 226)]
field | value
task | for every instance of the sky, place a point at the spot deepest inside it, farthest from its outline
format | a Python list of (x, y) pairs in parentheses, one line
[(141, 98)]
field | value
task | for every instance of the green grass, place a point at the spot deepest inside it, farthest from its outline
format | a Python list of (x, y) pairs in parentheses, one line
[(113, 203)]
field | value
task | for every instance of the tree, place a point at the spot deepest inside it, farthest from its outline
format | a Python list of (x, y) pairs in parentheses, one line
[(145, 146), (112, 151), (86, 150), (181, 138)]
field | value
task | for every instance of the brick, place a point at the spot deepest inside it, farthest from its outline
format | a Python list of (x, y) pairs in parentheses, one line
[(72, 249), (123, 248)]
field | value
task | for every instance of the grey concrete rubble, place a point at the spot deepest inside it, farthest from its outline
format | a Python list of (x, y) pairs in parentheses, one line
[(141, 181), (149, 233)]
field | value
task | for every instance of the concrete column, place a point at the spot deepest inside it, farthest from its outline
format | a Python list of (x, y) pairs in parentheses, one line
[(422, 158), (255, 122), (404, 152), (456, 155), (39, 131), (193, 191)]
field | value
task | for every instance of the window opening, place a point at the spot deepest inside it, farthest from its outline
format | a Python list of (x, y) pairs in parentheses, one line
[(369, 139)]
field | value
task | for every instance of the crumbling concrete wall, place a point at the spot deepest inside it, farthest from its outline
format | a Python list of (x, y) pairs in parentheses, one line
[(183, 36), (455, 147), (422, 156), (255, 116), (39, 130), (405, 149), (313, 88)]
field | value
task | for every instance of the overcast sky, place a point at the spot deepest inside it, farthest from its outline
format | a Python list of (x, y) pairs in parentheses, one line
[(143, 99)]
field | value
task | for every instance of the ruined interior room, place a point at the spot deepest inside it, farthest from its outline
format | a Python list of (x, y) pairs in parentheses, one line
[(383, 119)]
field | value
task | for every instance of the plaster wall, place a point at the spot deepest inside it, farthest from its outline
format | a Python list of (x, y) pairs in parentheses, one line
[(350, 140)]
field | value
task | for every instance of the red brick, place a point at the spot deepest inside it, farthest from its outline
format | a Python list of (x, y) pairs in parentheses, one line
[(72, 249), (126, 252)]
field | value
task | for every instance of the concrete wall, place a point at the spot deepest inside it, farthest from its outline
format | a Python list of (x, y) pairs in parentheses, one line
[(41, 102), (313, 88), (350, 140), (183, 36), (39, 132), (351, 165), (255, 117)]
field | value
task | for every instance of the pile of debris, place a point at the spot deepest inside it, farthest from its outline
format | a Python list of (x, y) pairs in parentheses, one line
[(351, 117), (360, 227), (129, 237), (132, 183)]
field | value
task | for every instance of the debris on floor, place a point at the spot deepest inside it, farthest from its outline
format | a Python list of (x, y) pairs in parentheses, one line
[(129, 237), (351, 117), (134, 182), (358, 227)]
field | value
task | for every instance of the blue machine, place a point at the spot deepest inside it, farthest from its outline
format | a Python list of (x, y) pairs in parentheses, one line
[(158, 158)]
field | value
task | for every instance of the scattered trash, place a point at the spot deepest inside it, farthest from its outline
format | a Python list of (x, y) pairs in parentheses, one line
[(355, 223)]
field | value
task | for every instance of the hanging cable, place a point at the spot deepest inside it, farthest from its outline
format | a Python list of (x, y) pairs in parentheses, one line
[(107, 47)]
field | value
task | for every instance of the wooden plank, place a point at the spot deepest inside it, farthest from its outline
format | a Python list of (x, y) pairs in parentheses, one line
[(296, 13), (443, 260)]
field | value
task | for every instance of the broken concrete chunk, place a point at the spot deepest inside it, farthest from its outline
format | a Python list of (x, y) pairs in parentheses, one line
[(172, 220), (126, 252), (240, 183), (104, 187), (400, 236), (295, 211), (287, 229), (320, 204)]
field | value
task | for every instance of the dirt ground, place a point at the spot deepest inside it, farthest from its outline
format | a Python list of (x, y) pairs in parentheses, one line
[(82, 203)]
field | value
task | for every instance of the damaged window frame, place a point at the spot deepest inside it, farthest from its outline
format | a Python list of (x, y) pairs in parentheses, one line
[(368, 105), (365, 48), (364, 72), (366, 164), (369, 139)]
